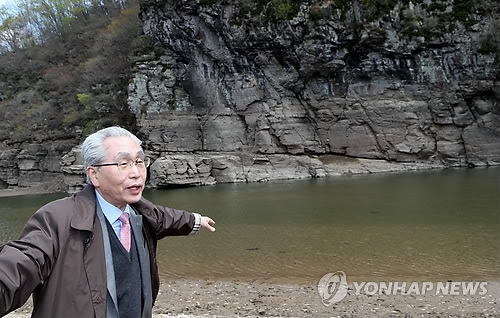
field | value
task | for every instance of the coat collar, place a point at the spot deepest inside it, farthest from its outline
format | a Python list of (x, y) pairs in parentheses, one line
[(84, 215), (85, 209)]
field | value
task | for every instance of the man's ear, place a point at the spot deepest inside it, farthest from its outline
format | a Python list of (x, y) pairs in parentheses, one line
[(93, 176)]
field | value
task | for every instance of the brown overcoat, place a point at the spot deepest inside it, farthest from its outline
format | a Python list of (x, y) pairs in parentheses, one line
[(59, 256)]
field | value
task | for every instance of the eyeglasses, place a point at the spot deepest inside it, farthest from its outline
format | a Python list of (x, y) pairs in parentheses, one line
[(124, 165)]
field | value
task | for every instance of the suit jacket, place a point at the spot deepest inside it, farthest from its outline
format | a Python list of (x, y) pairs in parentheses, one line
[(61, 257)]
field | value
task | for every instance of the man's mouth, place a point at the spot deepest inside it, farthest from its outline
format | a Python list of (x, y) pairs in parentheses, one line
[(135, 187)]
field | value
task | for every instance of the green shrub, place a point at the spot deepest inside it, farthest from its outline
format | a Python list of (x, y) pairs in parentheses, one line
[(486, 50), (209, 2), (83, 98), (490, 40), (315, 15), (378, 8), (260, 11), (435, 6), (463, 8), (470, 22), (341, 4), (143, 44), (284, 9)]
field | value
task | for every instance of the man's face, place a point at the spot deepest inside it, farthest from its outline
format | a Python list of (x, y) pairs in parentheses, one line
[(120, 186)]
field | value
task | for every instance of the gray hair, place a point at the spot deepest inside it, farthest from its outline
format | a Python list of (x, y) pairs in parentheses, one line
[(93, 151)]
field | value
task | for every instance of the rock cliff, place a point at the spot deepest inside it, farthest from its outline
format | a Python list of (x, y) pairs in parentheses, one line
[(324, 80), (243, 91)]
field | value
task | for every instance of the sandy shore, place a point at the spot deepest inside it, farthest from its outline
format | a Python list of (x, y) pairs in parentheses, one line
[(41, 189), (197, 298)]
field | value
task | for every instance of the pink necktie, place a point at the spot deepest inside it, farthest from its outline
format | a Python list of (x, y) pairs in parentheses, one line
[(125, 231)]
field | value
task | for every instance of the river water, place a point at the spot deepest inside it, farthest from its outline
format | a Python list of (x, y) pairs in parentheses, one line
[(437, 225)]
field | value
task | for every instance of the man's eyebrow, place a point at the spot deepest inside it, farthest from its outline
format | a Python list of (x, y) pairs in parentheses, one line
[(141, 154), (122, 155)]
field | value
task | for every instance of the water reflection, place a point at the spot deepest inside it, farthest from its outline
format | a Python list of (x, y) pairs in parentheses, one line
[(433, 225), (436, 225), (15, 211)]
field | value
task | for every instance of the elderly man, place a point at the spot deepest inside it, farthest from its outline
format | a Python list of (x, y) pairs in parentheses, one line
[(94, 254)]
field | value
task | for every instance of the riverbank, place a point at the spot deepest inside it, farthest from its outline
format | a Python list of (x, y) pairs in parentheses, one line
[(44, 188), (216, 168), (199, 298), (22, 191)]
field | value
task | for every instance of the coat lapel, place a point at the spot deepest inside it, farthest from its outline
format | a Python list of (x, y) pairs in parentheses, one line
[(136, 224), (111, 301), (84, 220)]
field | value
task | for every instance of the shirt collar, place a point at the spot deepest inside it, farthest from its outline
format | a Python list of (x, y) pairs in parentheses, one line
[(111, 212)]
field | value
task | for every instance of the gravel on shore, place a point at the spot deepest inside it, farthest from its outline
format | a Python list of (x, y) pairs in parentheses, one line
[(199, 298)]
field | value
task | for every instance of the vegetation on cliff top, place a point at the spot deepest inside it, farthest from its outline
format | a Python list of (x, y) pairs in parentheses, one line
[(64, 71)]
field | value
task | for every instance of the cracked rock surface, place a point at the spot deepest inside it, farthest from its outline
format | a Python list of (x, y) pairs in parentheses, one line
[(310, 88)]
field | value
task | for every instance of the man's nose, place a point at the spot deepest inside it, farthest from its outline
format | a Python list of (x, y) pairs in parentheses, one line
[(134, 171)]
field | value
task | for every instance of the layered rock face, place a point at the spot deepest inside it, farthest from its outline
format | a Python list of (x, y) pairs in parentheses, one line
[(36, 165), (231, 93)]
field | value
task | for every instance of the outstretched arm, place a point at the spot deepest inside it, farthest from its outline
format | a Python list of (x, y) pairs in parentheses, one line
[(170, 222)]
